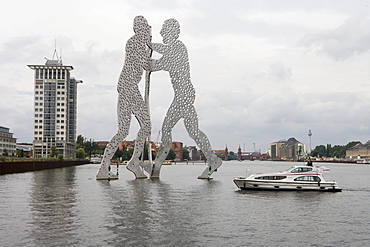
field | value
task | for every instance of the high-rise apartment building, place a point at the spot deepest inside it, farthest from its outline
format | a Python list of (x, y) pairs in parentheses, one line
[(55, 109)]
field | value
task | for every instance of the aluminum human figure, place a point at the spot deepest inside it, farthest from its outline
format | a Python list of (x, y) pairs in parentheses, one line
[(175, 60), (130, 100)]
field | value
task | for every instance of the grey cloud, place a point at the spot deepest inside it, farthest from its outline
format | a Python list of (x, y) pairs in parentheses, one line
[(350, 39), (279, 71)]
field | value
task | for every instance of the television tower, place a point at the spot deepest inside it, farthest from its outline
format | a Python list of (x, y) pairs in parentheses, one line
[(309, 135)]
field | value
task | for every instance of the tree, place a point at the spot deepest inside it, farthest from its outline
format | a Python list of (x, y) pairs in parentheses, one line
[(319, 151), (338, 151), (80, 153), (53, 152), (80, 141), (185, 154), (171, 155), (20, 153), (90, 147), (5, 152)]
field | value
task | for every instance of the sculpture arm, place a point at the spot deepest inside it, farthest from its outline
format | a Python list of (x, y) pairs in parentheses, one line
[(160, 48), (156, 65)]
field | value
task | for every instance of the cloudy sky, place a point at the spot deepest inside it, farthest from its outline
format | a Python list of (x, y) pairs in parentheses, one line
[(263, 70)]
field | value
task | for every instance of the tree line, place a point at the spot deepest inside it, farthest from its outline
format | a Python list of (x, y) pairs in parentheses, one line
[(336, 151), (88, 148)]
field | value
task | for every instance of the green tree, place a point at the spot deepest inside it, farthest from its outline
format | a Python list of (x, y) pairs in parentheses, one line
[(5, 152), (20, 153), (319, 151), (185, 154), (53, 151), (118, 154), (80, 141), (338, 151), (232, 155), (127, 154), (80, 153), (171, 155)]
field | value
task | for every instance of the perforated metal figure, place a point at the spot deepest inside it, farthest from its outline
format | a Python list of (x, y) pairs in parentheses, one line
[(175, 61), (130, 100)]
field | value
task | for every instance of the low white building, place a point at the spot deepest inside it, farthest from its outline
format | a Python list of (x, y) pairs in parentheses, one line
[(7, 142)]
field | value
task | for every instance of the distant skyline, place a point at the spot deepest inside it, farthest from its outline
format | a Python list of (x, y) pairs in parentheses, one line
[(262, 70)]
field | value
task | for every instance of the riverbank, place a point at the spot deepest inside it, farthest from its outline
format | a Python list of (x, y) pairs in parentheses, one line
[(37, 165)]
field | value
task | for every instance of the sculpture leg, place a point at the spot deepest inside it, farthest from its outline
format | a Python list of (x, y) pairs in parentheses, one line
[(162, 153), (109, 151), (124, 119), (172, 117), (135, 165), (191, 124)]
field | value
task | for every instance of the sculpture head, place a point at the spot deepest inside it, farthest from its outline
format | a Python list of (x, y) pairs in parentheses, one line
[(142, 28), (170, 30)]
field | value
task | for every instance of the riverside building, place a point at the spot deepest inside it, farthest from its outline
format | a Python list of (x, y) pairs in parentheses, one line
[(7, 142), (55, 109)]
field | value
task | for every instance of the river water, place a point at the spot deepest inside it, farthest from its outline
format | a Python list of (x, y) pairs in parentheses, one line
[(68, 207)]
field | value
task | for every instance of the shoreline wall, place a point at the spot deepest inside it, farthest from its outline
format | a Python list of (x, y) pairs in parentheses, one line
[(28, 166)]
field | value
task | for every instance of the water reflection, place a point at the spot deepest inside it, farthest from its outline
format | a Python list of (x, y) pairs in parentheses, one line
[(52, 204), (149, 212)]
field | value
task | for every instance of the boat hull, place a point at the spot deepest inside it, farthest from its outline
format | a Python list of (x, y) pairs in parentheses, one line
[(244, 184)]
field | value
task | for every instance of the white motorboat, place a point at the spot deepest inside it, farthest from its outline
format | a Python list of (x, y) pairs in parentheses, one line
[(303, 178), (363, 161)]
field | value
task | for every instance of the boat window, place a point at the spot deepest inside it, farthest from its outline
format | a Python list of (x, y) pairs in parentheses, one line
[(301, 169), (271, 177), (308, 178)]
